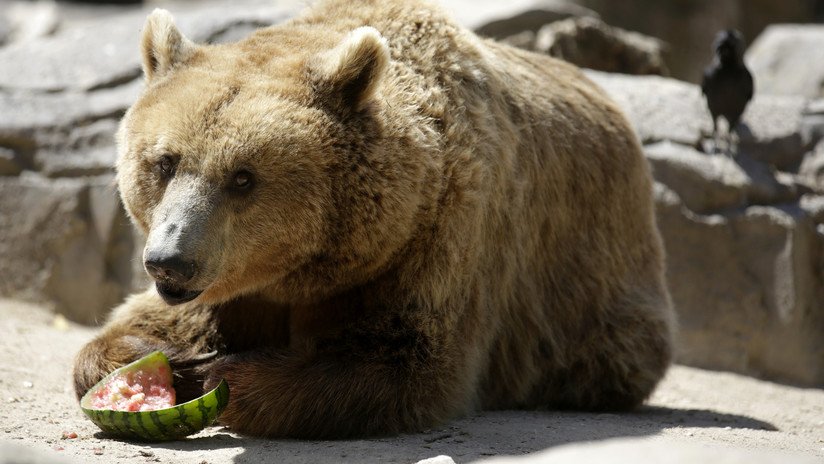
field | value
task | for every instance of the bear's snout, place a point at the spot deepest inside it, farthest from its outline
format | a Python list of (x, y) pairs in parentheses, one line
[(170, 268), (172, 273), (175, 255)]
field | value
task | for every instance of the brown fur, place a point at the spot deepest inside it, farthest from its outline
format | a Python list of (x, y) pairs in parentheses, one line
[(438, 223)]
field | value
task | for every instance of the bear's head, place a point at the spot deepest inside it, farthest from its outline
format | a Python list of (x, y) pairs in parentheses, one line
[(270, 166)]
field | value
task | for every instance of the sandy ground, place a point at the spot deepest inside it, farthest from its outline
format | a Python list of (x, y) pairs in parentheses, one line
[(691, 407)]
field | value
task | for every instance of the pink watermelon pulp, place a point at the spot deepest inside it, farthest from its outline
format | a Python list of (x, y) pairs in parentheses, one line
[(146, 389)]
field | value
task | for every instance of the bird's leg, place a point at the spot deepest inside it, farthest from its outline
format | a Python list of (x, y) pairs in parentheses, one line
[(715, 137), (732, 143), (727, 136)]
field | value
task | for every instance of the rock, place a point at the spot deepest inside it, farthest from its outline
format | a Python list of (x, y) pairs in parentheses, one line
[(5, 29), (771, 131), (792, 187), (530, 17), (24, 114), (787, 59), (104, 52), (502, 19), (747, 287), (76, 59), (32, 20), (67, 133), (703, 182), (812, 122), (590, 43), (665, 109), (812, 167), (9, 165), (88, 150), (767, 185), (65, 241), (813, 206), (709, 183), (659, 108), (743, 235), (35, 215), (524, 39), (690, 26)]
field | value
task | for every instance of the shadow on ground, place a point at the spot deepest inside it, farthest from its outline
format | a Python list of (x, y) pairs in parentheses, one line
[(486, 434)]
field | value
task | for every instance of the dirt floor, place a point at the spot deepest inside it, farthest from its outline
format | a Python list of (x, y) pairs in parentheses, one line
[(691, 407)]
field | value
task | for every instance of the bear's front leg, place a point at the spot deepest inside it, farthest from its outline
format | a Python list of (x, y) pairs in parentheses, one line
[(340, 389), (141, 325)]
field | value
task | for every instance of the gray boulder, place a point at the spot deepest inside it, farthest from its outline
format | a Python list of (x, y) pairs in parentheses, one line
[(743, 233), (87, 150), (690, 26), (9, 164), (710, 183), (812, 167), (26, 115), (659, 108), (813, 206), (65, 133), (28, 21), (590, 43), (772, 130), (812, 122), (787, 59), (704, 183), (499, 20), (67, 242), (526, 24), (5, 29), (776, 130), (748, 289), (77, 59)]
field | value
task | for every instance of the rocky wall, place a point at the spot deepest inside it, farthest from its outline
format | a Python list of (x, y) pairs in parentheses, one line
[(65, 239), (744, 232)]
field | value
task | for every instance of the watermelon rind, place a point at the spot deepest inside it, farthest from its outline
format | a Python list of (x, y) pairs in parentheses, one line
[(166, 424)]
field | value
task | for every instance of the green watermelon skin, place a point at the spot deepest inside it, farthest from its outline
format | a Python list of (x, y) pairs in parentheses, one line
[(163, 424)]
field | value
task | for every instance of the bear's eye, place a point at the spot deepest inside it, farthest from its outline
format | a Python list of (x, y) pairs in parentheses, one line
[(243, 180), (166, 165)]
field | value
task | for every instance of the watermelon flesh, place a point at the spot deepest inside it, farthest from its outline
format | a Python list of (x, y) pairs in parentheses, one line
[(146, 389)]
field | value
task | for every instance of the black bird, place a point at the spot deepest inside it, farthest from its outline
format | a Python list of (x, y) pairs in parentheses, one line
[(727, 83)]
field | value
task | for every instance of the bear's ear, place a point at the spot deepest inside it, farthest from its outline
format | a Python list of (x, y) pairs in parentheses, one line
[(348, 75), (162, 45)]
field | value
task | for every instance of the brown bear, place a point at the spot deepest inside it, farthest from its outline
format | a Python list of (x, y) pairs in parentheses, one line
[(369, 220)]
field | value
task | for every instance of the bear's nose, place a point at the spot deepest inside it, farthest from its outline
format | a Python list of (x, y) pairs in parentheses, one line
[(170, 268)]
